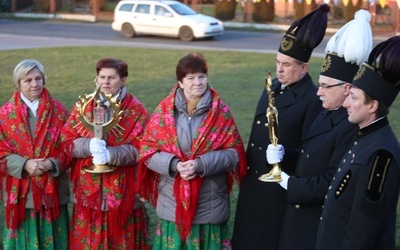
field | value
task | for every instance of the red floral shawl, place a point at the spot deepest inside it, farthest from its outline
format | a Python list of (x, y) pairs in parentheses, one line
[(118, 185), (217, 131), (15, 138)]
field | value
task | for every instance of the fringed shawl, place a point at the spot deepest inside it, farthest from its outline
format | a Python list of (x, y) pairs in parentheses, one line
[(15, 138), (117, 188)]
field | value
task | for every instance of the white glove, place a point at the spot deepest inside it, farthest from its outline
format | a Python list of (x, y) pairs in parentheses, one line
[(97, 146), (284, 182), (275, 153), (102, 157)]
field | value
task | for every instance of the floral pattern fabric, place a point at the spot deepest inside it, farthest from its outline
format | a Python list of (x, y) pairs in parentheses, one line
[(200, 237), (15, 138), (217, 132), (116, 187), (52, 234), (90, 232)]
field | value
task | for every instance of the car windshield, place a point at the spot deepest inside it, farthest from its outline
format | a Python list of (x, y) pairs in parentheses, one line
[(182, 9)]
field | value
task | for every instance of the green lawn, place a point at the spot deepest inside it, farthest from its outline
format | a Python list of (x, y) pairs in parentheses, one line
[(238, 76)]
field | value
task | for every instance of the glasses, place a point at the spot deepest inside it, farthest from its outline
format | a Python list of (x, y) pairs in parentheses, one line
[(326, 86)]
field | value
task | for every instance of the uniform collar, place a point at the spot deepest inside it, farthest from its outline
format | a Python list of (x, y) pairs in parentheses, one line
[(299, 88), (377, 124)]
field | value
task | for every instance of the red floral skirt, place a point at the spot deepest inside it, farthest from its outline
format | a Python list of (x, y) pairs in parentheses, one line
[(92, 232)]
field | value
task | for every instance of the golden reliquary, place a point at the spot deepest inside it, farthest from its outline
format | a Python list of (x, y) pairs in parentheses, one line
[(98, 125)]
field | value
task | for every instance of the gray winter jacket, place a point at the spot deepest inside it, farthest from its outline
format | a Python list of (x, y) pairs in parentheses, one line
[(213, 206)]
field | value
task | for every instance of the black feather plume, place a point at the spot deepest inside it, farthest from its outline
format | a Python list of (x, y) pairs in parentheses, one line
[(385, 58), (310, 30)]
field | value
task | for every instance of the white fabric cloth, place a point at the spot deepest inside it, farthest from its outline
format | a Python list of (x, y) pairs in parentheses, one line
[(33, 106)]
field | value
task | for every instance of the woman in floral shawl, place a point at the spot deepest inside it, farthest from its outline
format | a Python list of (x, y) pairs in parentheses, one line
[(189, 156), (107, 214), (34, 182)]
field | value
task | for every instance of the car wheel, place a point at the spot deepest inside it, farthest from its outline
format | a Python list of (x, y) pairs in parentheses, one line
[(186, 34), (127, 30)]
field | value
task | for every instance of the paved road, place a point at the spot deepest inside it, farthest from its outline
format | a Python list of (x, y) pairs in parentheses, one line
[(35, 34), (22, 34)]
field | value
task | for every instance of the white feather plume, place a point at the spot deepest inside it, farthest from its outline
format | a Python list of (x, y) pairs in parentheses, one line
[(353, 41)]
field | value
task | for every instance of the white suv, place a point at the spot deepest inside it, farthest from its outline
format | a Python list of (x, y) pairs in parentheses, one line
[(164, 18)]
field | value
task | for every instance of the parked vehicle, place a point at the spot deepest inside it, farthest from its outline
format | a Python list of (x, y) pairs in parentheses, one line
[(163, 18)]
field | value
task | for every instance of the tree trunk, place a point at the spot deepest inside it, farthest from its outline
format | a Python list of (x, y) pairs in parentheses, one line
[(53, 6), (13, 6), (194, 4), (248, 10), (96, 7)]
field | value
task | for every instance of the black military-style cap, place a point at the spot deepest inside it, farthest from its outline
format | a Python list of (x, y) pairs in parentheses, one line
[(346, 52), (305, 34), (336, 67), (379, 77)]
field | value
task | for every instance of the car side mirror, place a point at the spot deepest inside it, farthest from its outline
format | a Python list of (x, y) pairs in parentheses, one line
[(167, 14)]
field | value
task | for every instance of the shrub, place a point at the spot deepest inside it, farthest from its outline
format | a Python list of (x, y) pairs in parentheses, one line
[(337, 12), (42, 5), (6, 6), (225, 9), (264, 11)]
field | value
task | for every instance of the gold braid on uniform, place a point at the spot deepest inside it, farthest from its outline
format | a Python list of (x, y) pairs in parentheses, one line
[(372, 205)]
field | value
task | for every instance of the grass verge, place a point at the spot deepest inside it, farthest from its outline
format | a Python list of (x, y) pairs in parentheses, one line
[(237, 76)]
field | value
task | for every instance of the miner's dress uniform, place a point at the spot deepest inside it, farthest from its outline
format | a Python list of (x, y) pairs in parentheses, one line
[(261, 205), (323, 147), (360, 207)]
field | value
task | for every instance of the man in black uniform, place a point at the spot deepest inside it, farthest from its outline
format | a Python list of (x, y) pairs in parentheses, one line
[(328, 138), (261, 205), (360, 207)]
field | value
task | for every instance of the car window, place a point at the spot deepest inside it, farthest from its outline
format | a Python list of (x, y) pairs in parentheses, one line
[(182, 9), (126, 7), (161, 11), (143, 9)]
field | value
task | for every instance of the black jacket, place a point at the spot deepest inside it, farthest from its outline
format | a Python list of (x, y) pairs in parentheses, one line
[(323, 147), (261, 206), (360, 208)]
